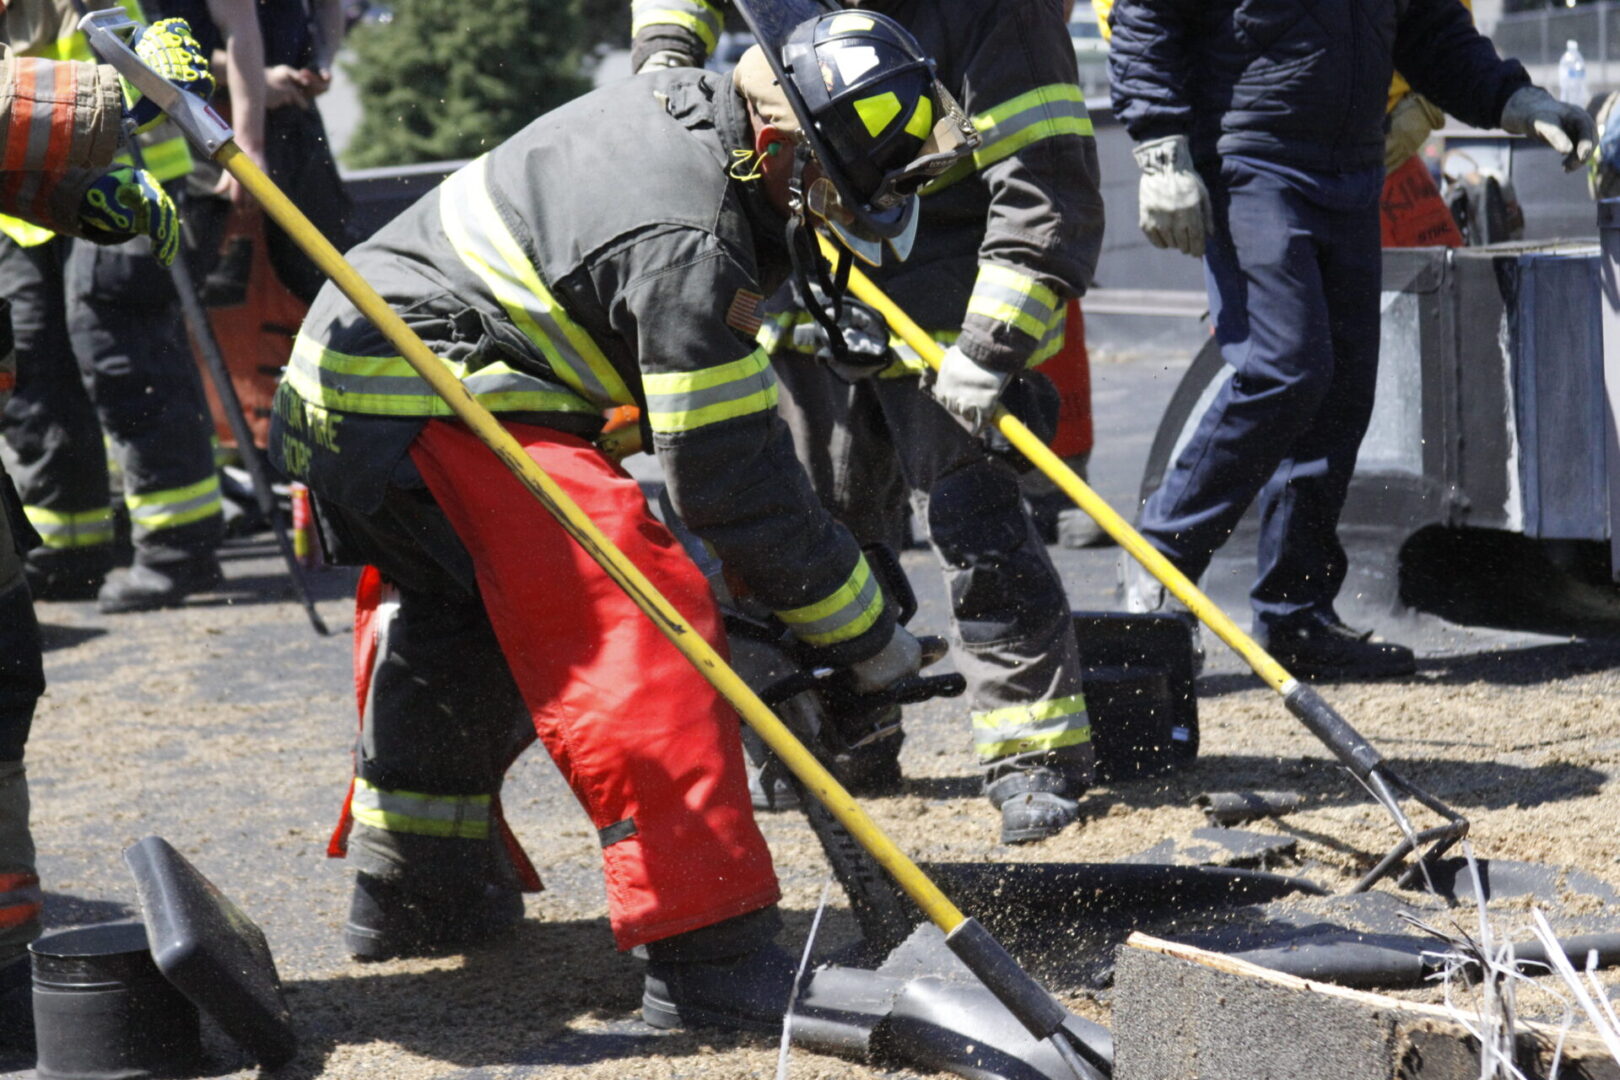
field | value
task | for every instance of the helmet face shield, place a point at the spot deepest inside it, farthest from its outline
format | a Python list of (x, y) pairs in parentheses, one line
[(870, 246)]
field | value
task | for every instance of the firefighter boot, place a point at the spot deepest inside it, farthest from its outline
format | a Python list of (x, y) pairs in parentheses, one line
[(729, 976), (67, 573), (1035, 801), (148, 587), (390, 919), (19, 909)]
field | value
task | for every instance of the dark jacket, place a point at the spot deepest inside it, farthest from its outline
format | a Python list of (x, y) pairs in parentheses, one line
[(599, 257), (1299, 82)]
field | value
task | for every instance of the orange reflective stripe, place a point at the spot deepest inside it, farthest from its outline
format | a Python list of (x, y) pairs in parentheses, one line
[(17, 914), (13, 882), (22, 117)]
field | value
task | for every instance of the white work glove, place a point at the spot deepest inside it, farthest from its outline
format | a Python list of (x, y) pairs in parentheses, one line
[(663, 59), (1413, 119), (969, 391), (1174, 204), (900, 659), (1566, 128)]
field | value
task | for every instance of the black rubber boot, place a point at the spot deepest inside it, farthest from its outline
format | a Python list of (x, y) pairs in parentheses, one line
[(388, 920), (1035, 803), (17, 1007), (1323, 648), (74, 574), (147, 588), (729, 976)]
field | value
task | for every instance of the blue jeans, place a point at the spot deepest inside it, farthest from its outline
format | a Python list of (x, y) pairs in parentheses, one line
[(1293, 268)]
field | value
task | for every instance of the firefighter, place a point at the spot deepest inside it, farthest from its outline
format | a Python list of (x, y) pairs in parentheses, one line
[(101, 348), (1006, 238), (614, 252), (69, 115)]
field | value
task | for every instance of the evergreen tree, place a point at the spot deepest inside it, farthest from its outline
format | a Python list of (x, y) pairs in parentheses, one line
[(448, 79)]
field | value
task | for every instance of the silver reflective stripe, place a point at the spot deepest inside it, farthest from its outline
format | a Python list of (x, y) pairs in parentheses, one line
[(464, 817), (486, 247)]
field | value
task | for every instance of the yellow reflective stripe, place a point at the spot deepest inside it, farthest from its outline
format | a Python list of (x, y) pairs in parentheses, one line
[(1042, 725), (168, 159), (85, 528), (878, 111), (24, 233), (1042, 113), (851, 610), (473, 225), (460, 817), (684, 400), (1052, 342), (173, 507), (1013, 717), (990, 751), (389, 386), (698, 16), (74, 45)]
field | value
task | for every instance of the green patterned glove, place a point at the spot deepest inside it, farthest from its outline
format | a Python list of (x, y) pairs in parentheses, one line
[(169, 49), (126, 202)]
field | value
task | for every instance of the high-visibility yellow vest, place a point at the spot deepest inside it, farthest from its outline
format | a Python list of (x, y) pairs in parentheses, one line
[(165, 151)]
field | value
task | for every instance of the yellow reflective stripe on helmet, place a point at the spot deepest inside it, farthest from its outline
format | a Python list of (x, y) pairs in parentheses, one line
[(851, 610), (1012, 297), (485, 246), (698, 16), (850, 24), (459, 817), (86, 528), (1041, 725), (878, 111), (684, 400), (172, 507), (389, 386), (1042, 113)]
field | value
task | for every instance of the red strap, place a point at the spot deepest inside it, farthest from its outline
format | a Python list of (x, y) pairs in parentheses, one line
[(367, 595), (1070, 371)]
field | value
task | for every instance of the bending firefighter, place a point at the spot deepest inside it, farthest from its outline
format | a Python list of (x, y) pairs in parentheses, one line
[(60, 125), (612, 253), (1006, 238)]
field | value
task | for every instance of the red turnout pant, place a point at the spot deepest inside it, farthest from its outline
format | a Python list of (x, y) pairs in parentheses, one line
[(650, 749)]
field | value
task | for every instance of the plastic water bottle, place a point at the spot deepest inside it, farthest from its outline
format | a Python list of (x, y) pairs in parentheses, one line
[(1572, 75)]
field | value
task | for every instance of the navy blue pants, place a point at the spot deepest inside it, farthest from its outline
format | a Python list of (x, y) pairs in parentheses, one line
[(1293, 268)]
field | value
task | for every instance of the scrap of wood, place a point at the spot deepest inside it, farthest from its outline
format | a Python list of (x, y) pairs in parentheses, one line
[(1184, 1013)]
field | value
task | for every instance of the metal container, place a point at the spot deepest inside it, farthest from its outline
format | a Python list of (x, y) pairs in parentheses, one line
[(103, 1011)]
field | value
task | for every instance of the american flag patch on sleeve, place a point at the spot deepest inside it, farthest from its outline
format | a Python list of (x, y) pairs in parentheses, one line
[(743, 314)]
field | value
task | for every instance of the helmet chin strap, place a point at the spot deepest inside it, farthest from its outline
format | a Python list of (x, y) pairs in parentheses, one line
[(802, 249)]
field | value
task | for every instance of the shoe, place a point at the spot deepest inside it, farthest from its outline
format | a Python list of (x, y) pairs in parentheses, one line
[(1145, 594), (746, 993), (147, 588), (1077, 529), (770, 789), (1035, 803), (67, 575), (388, 920), (17, 1006), (1324, 648)]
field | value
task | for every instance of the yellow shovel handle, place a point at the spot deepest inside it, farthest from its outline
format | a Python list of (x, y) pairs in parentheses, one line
[(577, 524), (1077, 489)]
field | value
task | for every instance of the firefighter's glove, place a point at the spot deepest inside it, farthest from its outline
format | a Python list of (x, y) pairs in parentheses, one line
[(665, 45), (1174, 204), (900, 659), (124, 203), (969, 391), (1568, 129), (168, 48), (1413, 119), (865, 334)]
